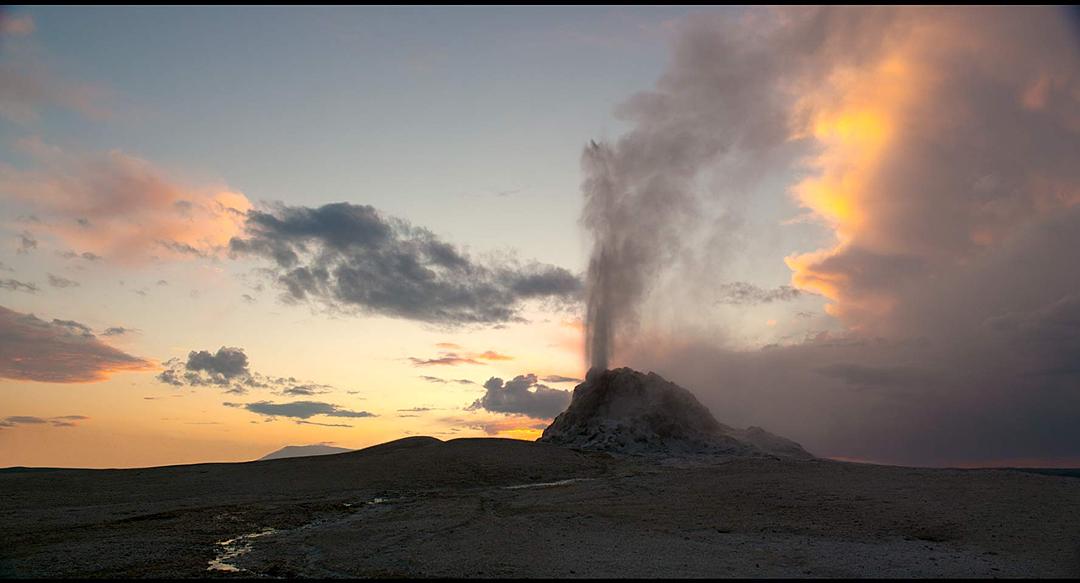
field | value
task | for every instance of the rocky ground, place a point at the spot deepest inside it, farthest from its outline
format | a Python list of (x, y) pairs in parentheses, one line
[(500, 508), (629, 412)]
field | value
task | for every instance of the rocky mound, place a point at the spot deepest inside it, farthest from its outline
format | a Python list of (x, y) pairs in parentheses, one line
[(625, 411)]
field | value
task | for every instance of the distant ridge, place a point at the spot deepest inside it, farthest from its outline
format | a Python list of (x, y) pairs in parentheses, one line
[(302, 451)]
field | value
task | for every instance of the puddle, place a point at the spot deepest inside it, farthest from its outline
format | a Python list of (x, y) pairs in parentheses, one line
[(371, 502), (232, 549), (546, 484)]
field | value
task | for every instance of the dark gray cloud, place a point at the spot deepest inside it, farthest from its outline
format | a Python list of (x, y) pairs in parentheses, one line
[(876, 376), (522, 396), (61, 282), (61, 351), (116, 331), (1046, 337), (300, 409), (228, 368), (304, 390), (226, 364), (354, 258), (16, 285), (741, 293)]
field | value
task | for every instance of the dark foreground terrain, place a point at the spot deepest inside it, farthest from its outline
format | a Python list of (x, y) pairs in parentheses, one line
[(493, 507)]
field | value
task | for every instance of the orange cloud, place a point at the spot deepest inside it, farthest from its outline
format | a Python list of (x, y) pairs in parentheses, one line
[(447, 359), (492, 355), (454, 358), (60, 351), (122, 207), (927, 151), (12, 26), (854, 119)]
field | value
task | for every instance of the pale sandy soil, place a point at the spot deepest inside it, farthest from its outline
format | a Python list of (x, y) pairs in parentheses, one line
[(500, 508)]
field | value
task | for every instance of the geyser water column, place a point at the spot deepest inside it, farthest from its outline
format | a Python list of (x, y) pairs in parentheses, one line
[(601, 200), (639, 203), (635, 209), (720, 99), (598, 314)]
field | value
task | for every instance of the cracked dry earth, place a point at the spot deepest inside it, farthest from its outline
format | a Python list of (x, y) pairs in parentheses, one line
[(502, 508)]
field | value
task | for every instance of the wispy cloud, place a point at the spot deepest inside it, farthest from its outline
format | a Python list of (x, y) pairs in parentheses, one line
[(119, 206), (62, 421), (299, 409), (61, 282), (16, 285), (453, 358)]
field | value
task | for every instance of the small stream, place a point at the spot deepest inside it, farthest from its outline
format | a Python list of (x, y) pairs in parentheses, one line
[(547, 484), (234, 548)]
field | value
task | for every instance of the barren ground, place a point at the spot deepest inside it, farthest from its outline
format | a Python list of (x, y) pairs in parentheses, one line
[(494, 507)]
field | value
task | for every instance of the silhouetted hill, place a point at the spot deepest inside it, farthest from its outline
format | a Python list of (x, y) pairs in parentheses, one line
[(302, 451)]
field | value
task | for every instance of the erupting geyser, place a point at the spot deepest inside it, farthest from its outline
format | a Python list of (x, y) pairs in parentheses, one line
[(625, 411)]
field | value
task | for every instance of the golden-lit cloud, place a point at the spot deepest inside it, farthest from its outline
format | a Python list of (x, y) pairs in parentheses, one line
[(918, 142), (937, 146), (119, 206)]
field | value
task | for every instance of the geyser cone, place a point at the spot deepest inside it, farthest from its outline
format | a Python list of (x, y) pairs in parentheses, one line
[(625, 411)]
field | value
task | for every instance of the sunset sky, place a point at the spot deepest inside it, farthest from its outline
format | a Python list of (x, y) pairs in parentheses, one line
[(227, 230)]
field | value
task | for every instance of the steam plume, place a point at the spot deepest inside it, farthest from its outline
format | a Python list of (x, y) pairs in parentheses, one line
[(717, 103), (937, 148)]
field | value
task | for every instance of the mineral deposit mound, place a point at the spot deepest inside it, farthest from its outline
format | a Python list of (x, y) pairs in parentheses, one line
[(625, 411)]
